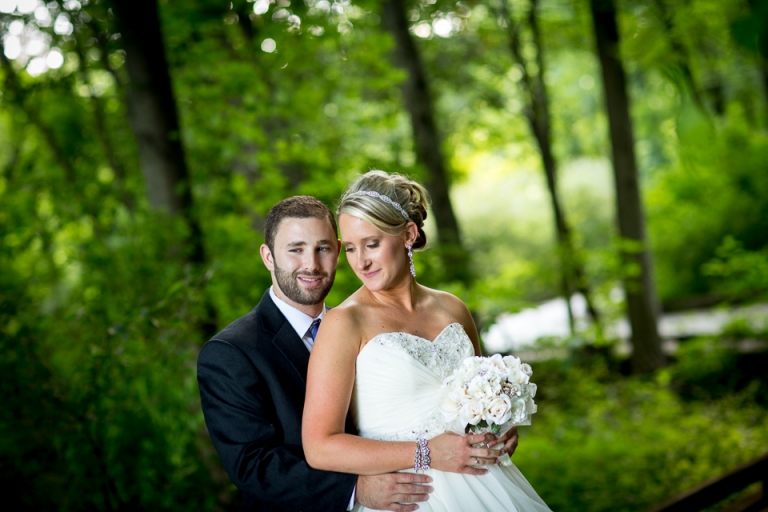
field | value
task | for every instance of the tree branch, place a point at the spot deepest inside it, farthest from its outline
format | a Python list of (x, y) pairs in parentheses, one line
[(102, 132), (19, 94)]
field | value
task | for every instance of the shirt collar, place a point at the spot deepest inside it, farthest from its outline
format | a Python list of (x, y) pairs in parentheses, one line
[(298, 320)]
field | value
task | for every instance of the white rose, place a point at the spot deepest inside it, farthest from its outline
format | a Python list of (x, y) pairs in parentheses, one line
[(476, 385), (531, 406), (518, 410), (532, 389), (496, 365), (470, 363), (450, 409), (499, 410), (471, 412), (514, 375), (458, 396), (526, 369), (493, 386), (511, 362)]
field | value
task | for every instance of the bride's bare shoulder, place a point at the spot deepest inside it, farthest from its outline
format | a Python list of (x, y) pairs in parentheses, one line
[(448, 302), (343, 321), (457, 311)]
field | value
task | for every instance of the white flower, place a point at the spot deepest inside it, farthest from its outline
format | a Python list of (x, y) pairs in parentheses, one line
[(494, 386), (499, 410), (472, 412), (516, 376), (511, 362), (495, 389), (531, 406), (516, 388), (458, 395), (496, 365), (470, 363), (450, 409), (518, 411), (480, 386)]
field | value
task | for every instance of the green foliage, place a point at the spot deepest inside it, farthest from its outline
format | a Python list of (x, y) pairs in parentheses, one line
[(712, 368), (738, 273), (692, 208), (98, 387), (101, 314), (598, 443)]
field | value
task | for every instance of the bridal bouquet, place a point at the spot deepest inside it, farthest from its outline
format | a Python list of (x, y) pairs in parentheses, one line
[(489, 394)]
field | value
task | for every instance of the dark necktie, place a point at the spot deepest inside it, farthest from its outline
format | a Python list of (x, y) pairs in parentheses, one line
[(313, 329)]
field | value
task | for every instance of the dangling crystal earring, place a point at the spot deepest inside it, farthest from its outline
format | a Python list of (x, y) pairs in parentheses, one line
[(410, 257)]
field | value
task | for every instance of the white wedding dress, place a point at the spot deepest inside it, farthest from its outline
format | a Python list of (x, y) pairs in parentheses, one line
[(397, 394)]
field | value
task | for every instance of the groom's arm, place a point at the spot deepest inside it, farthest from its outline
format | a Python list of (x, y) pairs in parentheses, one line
[(241, 421)]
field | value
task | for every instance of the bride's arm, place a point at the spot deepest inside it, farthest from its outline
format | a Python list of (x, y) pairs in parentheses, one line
[(330, 379)]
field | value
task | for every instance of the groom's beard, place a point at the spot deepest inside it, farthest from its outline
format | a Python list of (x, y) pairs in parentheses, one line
[(289, 284)]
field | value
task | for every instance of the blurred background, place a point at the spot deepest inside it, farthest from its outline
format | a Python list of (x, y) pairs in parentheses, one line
[(599, 178)]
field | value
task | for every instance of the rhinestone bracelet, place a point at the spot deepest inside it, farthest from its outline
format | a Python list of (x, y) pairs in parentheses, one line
[(421, 459)]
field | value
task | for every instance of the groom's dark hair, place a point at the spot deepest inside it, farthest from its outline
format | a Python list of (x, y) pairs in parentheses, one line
[(296, 207)]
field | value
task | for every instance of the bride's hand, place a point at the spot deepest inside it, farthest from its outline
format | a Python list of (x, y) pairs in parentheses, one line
[(509, 440), (456, 454)]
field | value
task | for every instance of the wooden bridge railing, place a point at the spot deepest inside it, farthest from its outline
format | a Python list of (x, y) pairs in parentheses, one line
[(719, 488)]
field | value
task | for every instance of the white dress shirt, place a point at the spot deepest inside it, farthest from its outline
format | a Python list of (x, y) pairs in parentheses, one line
[(301, 322)]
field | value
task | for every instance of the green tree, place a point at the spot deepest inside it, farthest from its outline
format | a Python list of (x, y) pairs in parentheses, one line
[(639, 285)]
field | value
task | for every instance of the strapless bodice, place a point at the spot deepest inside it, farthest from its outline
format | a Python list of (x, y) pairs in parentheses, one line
[(397, 396), (398, 383)]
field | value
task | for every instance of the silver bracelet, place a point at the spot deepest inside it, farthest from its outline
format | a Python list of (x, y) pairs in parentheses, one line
[(421, 459)]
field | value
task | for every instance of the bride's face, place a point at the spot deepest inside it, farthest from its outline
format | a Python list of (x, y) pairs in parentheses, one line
[(378, 259)]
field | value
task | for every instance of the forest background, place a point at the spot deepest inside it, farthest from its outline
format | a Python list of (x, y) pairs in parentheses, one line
[(618, 150)]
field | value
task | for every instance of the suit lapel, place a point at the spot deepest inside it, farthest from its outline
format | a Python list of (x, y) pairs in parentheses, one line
[(285, 339), (291, 346)]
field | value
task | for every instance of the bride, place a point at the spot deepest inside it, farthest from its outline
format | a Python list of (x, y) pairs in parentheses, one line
[(383, 354)]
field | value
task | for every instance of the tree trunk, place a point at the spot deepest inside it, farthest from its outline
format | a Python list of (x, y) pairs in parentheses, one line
[(418, 101), (764, 74), (152, 113), (538, 116), (763, 63), (642, 303), (155, 123)]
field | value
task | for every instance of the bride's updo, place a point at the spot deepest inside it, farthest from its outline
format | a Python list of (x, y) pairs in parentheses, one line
[(408, 194)]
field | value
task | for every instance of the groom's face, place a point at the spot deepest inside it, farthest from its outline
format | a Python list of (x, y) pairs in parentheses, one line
[(303, 263)]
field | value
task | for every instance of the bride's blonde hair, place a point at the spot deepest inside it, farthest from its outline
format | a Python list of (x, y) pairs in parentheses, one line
[(360, 200)]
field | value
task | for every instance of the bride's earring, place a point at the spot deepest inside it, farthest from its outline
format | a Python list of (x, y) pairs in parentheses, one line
[(410, 258)]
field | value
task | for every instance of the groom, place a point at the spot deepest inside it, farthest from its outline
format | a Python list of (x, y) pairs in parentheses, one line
[(252, 378)]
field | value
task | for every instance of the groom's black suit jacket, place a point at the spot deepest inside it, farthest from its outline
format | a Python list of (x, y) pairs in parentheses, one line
[(252, 378)]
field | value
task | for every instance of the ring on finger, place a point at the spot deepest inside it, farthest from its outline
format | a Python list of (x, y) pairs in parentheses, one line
[(477, 461)]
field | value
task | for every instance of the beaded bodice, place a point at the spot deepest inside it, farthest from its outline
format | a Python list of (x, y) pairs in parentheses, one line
[(442, 356), (398, 384)]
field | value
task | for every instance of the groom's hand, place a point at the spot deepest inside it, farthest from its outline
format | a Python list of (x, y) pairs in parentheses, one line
[(393, 491)]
